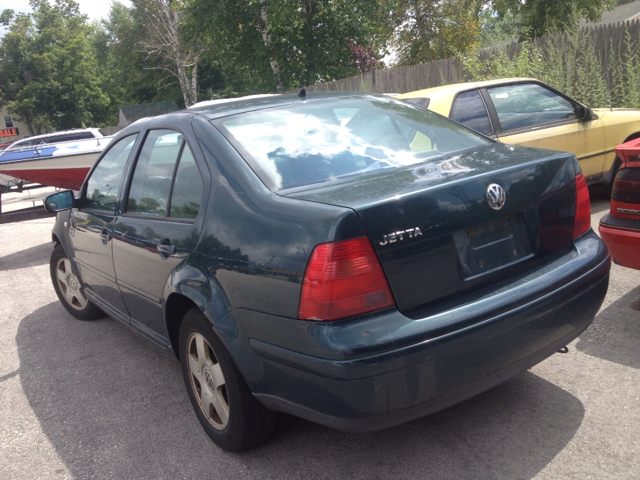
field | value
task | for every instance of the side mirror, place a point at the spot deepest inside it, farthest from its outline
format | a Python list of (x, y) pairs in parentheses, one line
[(59, 201), (583, 113)]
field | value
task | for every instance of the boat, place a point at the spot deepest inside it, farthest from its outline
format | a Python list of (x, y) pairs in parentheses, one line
[(64, 164)]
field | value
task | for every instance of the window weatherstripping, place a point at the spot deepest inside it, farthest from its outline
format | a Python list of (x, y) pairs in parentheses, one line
[(166, 183), (529, 106)]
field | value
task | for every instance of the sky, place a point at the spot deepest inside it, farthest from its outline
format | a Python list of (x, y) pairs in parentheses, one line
[(95, 9)]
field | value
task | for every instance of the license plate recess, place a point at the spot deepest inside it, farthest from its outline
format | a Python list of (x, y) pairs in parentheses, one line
[(491, 246)]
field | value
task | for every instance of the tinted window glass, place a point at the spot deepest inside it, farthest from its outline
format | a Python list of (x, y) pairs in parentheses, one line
[(151, 183), (187, 188), (468, 109), (528, 104), (421, 102), (103, 185), (318, 141)]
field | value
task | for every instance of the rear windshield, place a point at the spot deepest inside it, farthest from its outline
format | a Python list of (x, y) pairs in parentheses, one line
[(319, 141)]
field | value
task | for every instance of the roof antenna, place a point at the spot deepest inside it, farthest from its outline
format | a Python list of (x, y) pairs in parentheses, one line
[(303, 93)]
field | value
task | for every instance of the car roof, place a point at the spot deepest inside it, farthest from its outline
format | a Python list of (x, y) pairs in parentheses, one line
[(216, 109), (445, 90)]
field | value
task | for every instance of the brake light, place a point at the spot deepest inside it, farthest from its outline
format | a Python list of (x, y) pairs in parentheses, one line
[(582, 221), (343, 279), (626, 188)]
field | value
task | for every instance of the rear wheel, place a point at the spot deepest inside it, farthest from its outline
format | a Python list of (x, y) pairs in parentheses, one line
[(223, 403), (68, 289)]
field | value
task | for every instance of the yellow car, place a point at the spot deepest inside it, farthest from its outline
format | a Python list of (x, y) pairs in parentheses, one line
[(524, 111)]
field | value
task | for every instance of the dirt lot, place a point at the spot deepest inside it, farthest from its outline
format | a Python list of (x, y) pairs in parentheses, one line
[(92, 400)]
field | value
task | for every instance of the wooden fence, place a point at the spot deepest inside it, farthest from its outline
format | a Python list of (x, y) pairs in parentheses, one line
[(609, 42)]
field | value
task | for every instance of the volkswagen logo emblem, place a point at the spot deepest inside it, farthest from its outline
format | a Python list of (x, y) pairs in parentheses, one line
[(495, 196), (208, 378)]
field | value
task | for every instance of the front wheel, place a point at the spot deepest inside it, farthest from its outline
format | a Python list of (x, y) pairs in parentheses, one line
[(223, 403), (68, 289)]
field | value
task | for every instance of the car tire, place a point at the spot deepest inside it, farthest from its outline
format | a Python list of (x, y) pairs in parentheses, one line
[(67, 286), (223, 403)]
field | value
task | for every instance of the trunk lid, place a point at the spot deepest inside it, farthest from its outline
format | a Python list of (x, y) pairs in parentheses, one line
[(434, 231)]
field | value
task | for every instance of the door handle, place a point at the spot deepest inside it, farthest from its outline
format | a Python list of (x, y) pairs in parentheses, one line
[(166, 249)]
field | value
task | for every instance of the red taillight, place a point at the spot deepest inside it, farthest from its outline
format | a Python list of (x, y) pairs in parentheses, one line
[(626, 188), (582, 221), (343, 279)]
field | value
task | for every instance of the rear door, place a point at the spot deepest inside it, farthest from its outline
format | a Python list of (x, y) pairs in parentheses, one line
[(91, 231), (160, 225)]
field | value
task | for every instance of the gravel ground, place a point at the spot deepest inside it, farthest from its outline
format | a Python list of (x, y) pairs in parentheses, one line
[(92, 400)]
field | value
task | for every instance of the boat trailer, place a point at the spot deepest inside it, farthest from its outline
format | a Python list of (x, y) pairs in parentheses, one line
[(29, 213)]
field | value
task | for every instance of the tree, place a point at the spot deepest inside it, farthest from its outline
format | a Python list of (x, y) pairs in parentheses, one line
[(428, 30), (547, 16), (47, 71), (124, 66), (272, 45), (165, 42)]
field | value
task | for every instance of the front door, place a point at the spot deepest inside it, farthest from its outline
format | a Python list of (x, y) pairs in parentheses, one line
[(159, 228), (91, 231), (535, 116)]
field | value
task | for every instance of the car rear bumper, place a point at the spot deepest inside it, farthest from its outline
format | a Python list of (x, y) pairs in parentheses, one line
[(622, 237), (379, 377)]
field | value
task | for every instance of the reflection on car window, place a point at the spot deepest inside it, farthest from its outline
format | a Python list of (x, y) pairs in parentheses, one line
[(469, 110), (312, 142), (187, 188), (528, 104), (103, 185), (151, 183)]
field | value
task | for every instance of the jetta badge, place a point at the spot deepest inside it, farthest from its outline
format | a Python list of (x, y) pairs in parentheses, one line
[(495, 196), (399, 236)]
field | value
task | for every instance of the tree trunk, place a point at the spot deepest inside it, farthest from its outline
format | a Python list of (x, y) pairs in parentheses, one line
[(266, 38)]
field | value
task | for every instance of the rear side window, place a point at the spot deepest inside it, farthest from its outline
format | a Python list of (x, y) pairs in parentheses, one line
[(421, 102), (104, 183), (166, 180), (187, 188), (319, 141), (468, 109)]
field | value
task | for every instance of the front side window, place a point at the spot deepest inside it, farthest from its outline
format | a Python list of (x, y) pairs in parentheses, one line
[(166, 180), (104, 183), (529, 104), (318, 141), (468, 109)]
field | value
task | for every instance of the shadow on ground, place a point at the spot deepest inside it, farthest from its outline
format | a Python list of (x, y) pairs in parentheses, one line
[(614, 334), (114, 406), (29, 257)]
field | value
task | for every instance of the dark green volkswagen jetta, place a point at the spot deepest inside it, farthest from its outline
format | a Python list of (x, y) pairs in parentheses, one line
[(347, 258)]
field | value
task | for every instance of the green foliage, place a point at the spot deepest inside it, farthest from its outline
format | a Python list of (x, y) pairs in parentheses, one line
[(48, 74), (625, 76), (264, 45), (568, 62), (529, 62), (542, 17), (496, 27), (426, 31)]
